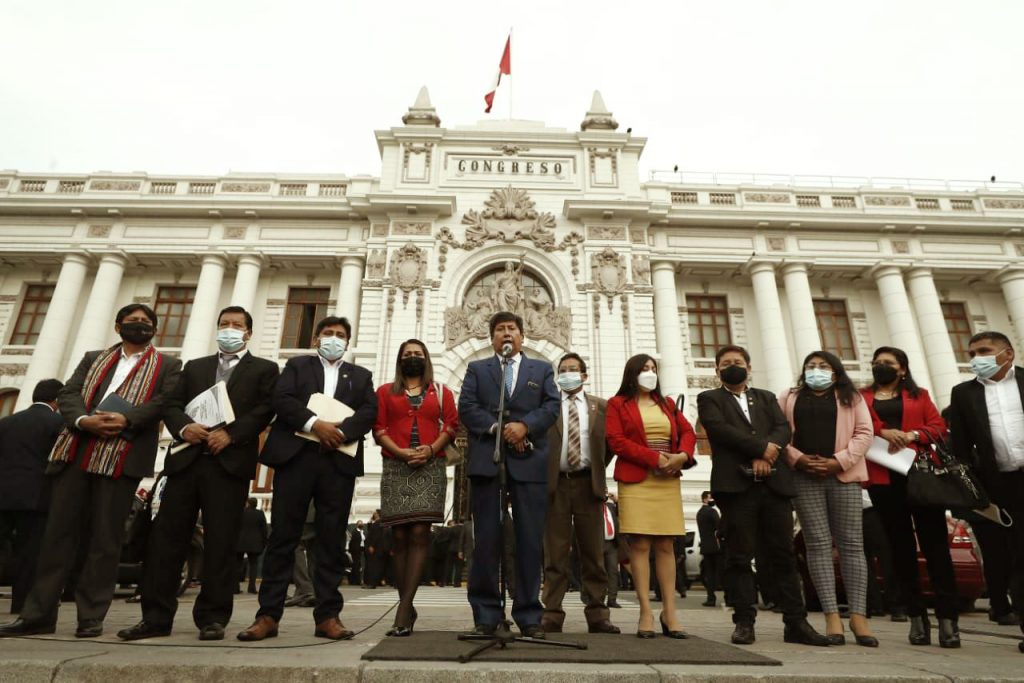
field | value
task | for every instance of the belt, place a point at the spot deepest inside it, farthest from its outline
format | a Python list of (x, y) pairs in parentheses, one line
[(574, 474)]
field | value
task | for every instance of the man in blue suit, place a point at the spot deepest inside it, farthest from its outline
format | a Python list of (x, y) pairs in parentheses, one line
[(531, 407)]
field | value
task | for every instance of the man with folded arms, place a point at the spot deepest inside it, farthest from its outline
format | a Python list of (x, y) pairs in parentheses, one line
[(211, 475), (112, 408), (313, 470)]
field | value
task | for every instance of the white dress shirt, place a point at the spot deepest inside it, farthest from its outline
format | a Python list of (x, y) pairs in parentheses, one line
[(330, 385), (125, 364), (741, 399), (1006, 421), (584, 410)]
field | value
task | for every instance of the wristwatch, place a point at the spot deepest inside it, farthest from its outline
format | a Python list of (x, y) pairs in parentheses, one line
[(916, 434)]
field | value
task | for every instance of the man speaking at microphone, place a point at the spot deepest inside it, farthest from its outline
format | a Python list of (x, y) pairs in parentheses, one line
[(531, 407)]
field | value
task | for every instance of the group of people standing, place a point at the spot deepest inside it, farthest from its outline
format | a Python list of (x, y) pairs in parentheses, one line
[(803, 450)]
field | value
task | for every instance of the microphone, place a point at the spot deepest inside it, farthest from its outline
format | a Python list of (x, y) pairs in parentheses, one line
[(506, 350)]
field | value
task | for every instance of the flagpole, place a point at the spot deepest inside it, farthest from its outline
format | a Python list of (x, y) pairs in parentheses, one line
[(510, 85)]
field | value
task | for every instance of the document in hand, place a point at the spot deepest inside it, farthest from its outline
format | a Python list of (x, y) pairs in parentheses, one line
[(330, 410), (900, 461), (211, 408), (114, 403)]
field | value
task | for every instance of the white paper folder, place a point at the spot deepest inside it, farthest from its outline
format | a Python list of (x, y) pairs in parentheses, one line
[(900, 461), (211, 408), (330, 409)]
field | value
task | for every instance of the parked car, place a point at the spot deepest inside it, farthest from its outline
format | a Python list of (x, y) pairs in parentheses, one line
[(970, 580)]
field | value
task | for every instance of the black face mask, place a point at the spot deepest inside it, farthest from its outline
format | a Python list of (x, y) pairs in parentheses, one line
[(413, 366), (884, 374), (137, 333), (733, 375)]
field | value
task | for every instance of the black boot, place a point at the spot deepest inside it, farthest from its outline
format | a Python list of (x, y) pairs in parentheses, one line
[(949, 633), (920, 630)]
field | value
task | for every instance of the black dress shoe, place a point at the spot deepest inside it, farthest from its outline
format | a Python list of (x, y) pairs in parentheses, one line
[(603, 626), (20, 627), (898, 614), (743, 634), (89, 628), (483, 629), (614, 604), (866, 641), (533, 631), (212, 631), (920, 631), (710, 602), (803, 633), (949, 633), (142, 630)]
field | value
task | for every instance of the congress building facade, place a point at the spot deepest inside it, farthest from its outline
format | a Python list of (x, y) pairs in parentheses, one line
[(554, 223)]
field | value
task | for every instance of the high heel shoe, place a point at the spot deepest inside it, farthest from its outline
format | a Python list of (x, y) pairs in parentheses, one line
[(678, 635), (397, 631), (640, 633), (949, 634), (836, 638)]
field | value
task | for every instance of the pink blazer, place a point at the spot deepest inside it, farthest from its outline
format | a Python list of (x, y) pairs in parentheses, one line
[(854, 433)]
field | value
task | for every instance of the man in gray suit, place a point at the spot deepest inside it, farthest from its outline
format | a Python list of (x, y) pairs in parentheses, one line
[(577, 457)]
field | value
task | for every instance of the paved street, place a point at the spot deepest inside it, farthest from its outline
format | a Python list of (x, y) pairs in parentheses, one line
[(989, 652)]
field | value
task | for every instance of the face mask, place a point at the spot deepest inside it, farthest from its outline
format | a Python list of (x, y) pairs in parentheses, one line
[(647, 380), (137, 333), (413, 366), (569, 381), (332, 348), (230, 340), (884, 374), (733, 375), (818, 379), (985, 366)]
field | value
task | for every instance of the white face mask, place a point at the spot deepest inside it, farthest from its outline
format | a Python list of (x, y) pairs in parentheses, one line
[(569, 381), (986, 366), (230, 340), (648, 379), (332, 348)]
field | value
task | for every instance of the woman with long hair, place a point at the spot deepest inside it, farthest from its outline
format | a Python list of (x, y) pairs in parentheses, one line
[(654, 443), (416, 419), (832, 432), (904, 415)]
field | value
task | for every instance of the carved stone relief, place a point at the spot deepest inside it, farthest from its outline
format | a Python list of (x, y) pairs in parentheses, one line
[(1020, 249), (235, 232), (606, 232), (12, 370), (379, 230), (510, 149), (877, 200), (1004, 203), (99, 231), (641, 270), (375, 263), (766, 197), (776, 244), (900, 247), (408, 269), (115, 185), (245, 187), (412, 229), (636, 235), (4, 182)]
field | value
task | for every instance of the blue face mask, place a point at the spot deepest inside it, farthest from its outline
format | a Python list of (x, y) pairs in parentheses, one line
[(230, 340), (332, 348), (986, 366), (818, 379), (569, 381)]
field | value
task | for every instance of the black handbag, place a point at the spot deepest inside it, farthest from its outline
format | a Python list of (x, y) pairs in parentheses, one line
[(938, 479)]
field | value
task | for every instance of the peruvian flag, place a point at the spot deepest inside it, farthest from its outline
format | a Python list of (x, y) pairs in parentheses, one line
[(505, 67)]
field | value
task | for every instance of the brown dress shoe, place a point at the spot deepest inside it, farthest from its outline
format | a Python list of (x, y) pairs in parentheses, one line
[(549, 626), (263, 627), (333, 628), (604, 626)]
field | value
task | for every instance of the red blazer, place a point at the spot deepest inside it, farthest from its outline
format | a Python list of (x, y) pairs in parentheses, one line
[(395, 416), (624, 430), (918, 414)]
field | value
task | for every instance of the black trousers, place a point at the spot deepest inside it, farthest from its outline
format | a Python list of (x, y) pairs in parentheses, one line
[(453, 569), (309, 476), (376, 565), (249, 563), (355, 574), (759, 516), (202, 486), (876, 547), (1008, 493), (87, 511), (711, 567), (901, 522), (24, 529)]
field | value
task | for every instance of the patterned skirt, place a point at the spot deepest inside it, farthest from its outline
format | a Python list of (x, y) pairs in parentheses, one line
[(412, 494)]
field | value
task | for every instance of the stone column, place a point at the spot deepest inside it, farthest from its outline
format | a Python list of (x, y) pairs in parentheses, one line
[(45, 362), (777, 370), (1012, 282), (202, 322), (247, 278), (671, 358), (903, 332), (934, 335), (97, 325), (801, 310), (350, 291)]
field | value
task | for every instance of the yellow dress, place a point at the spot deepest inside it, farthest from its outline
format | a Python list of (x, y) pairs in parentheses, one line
[(654, 506)]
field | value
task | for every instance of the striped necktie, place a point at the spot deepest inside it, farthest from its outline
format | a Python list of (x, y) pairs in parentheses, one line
[(575, 448), (509, 376)]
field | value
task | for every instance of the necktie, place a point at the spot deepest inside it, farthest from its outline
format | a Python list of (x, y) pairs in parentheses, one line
[(224, 368), (508, 376), (573, 452)]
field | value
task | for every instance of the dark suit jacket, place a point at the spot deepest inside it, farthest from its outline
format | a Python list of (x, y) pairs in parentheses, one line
[(970, 430), (707, 525), (534, 403), (249, 388), (26, 438), (600, 456), (144, 419), (355, 542), (252, 537), (302, 377), (735, 442)]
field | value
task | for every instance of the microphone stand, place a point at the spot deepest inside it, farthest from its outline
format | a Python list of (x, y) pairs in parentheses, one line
[(502, 635)]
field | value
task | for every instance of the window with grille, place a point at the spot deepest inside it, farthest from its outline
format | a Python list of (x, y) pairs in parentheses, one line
[(959, 327), (708, 317), (32, 313), (834, 328), (173, 308), (7, 401), (306, 306)]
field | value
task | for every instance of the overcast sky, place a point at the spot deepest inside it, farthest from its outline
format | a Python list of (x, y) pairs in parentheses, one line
[(929, 89)]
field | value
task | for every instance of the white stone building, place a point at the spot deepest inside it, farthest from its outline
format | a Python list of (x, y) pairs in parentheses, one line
[(555, 222)]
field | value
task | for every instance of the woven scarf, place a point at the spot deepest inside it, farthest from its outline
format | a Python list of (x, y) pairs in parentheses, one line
[(106, 456)]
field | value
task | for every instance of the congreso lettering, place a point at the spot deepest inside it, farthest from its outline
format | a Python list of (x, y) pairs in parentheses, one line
[(510, 166)]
